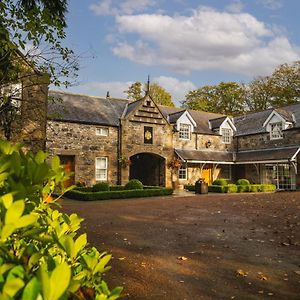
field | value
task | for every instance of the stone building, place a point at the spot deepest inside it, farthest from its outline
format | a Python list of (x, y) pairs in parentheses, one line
[(23, 107), (114, 140)]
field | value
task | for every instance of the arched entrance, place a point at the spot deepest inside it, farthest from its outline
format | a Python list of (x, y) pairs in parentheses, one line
[(149, 168)]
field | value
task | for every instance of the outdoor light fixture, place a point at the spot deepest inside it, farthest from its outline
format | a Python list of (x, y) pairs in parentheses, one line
[(208, 144)]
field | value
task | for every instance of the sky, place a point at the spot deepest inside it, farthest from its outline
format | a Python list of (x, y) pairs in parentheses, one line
[(182, 44)]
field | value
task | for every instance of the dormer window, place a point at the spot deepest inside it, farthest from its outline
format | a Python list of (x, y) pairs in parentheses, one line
[(185, 131), (226, 135), (102, 131), (276, 131)]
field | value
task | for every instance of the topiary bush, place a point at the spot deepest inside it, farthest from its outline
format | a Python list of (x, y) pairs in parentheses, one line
[(267, 187), (220, 181), (100, 187), (42, 255), (217, 188), (133, 184), (243, 182), (231, 188), (243, 188)]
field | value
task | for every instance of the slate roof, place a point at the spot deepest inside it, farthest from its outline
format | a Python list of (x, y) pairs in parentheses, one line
[(217, 122), (253, 123), (86, 109), (173, 117), (205, 155), (200, 117), (273, 154)]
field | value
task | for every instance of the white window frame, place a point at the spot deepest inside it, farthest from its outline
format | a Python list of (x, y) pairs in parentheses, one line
[(101, 171), (182, 173), (276, 131), (102, 131), (184, 131), (226, 135)]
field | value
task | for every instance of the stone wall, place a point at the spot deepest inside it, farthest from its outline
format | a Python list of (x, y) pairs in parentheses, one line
[(262, 140), (29, 126), (80, 140), (133, 143)]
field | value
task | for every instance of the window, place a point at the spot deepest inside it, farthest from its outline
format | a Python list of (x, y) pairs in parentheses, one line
[(276, 131), (226, 135), (101, 168), (103, 131), (182, 173), (185, 131), (225, 172)]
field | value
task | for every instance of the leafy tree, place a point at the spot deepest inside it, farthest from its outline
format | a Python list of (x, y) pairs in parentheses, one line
[(134, 92), (157, 93), (226, 98), (31, 35)]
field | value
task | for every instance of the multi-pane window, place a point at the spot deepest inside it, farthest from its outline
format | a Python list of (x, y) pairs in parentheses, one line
[(225, 172), (185, 131), (182, 173), (276, 131), (103, 131), (226, 135), (101, 168)]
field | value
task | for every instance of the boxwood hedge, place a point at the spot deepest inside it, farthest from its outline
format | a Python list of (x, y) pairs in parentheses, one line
[(90, 196)]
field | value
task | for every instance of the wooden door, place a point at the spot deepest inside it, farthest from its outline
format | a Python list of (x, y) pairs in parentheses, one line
[(207, 175), (68, 161)]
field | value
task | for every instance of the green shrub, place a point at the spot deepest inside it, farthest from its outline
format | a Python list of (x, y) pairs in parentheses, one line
[(220, 181), (243, 182), (254, 188), (243, 188), (90, 196), (190, 187), (84, 189), (42, 255), (268, 187), (100, 187), (217, 188), (231, 188), (116, 188), (133, 184)]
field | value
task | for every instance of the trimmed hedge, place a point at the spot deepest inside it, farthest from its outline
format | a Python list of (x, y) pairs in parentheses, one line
[(90, 196), (267, 187), (243, 188), (100, 187), (116, 188), (231, 188), (220, 181), (190, 187), (217, 188), (243, 182), (133, 184)]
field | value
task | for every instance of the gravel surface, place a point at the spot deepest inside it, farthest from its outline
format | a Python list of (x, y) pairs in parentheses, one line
[(239, 246)]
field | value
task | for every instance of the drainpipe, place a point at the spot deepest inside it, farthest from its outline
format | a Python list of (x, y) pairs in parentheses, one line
[(119, 151)]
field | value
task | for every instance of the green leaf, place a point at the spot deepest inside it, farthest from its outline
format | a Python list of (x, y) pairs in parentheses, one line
[(101, 265), (7, 200), (7, 230), (45, 281), (79, 244), (26, 220), (14, 212), (11, 287), (68, 244), (16, 272), (55, 163), (60, 280), (31, 290), (40, 157)]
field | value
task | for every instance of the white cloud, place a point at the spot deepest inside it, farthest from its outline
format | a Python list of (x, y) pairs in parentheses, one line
[(178, 89), (115, 88), (272, 4), (235, 7), (116, 7), (208, 39)]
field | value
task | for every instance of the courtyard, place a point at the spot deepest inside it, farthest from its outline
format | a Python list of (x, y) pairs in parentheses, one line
[(240, 246)]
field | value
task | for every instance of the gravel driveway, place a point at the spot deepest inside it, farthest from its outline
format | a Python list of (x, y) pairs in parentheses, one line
[(239, 246)]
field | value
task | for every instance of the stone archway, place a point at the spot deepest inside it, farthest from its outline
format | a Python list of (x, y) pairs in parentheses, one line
[(149, 168)]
